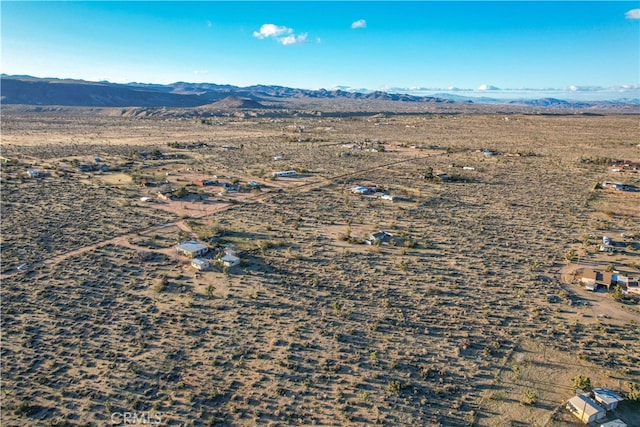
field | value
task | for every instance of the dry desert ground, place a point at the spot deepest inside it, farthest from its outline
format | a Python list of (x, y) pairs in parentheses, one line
[(463, 318)]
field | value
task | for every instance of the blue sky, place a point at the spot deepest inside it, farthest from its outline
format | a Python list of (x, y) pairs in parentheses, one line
[(571, 46)]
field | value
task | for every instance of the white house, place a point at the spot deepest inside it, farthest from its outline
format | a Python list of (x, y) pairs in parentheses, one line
[(230, 260), (192, 249), (200, 263), (585, 409), (606, 398), (283, 174), (33, 173)]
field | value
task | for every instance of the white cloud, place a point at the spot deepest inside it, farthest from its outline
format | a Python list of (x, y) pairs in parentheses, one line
[(633, 14), (271, 30), (283, 35), (293, 39), (360, 23), (209, 24)]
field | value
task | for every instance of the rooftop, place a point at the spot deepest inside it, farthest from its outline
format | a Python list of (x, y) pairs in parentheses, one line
[(191, 246), (584, 404), (606, 396)]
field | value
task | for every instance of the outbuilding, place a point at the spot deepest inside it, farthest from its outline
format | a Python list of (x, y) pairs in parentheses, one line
[(608, 399), (282, 174), (230, 260), (200, 263), (585, 409)]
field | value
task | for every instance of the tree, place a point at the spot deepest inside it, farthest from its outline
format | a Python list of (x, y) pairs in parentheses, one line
[(570, 256), (617, 293), (181, 192), (428, 173), (582, 382), (210, 290)]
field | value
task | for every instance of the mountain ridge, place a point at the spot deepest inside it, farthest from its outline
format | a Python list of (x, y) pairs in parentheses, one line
[(28, 90)]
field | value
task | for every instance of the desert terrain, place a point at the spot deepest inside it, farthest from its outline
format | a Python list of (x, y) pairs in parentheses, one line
[(472, 314)]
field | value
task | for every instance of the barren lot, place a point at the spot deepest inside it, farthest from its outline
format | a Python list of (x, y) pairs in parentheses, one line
[(451, 324)]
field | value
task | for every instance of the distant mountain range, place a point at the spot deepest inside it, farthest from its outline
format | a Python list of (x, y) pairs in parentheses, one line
[(29, 90)]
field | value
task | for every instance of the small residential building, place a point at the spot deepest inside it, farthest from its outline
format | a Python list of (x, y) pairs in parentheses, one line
[(585, 409), (593, 279), (230, 260), (192, 249), (589, 278), (283, 174), (388, 197), (200, 264), (33, 173), (608, 399)]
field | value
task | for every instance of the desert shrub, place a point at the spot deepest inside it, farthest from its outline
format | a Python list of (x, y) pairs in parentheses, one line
[(529, 397), (394, 387), (210, 291), (582, 382), (570, 255), (634, 392), (181, 192), (160, 284), (617, 293), (263, 245)]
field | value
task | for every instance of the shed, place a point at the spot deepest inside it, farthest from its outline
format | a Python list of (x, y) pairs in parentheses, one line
[(192, 249), (606, 398), (282, 174), (585, 409), (230, 260), (200, 263), (33, 173)]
